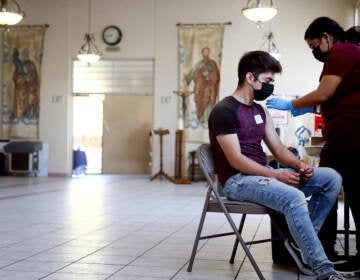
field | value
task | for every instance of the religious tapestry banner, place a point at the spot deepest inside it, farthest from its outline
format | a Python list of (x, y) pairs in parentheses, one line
[(22, 57), (200, 50)]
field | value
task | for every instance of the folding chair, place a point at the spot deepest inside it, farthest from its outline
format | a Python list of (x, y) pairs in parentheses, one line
[(215, 203)]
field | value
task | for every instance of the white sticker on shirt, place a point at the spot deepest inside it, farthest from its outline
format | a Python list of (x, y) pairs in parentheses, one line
[(258, 119)]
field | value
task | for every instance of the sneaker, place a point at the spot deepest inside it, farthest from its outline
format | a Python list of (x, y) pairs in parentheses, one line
[(349, 268), (296, 254), (334, 276)]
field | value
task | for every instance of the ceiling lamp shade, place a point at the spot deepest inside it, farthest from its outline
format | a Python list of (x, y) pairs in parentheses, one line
[(10, 12), (89, 52), (276, 55), (259, 10), (269, 45)]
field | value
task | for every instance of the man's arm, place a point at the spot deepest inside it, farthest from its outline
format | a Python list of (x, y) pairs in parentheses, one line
[(282, 154), (230, 145), (326, 89), (277, 148)]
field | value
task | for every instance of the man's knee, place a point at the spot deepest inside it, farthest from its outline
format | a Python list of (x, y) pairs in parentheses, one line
[(295, 200), (333, 178), (336, 178)]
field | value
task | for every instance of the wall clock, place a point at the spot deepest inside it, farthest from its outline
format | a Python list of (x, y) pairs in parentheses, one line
[(112, 35)]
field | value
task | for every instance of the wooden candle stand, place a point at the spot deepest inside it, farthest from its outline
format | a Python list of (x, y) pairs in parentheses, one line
[(179, 177), (161, 173), (179, 159)]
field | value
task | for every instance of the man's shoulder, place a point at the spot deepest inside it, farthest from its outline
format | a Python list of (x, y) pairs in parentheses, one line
[(226, 101), (259, 106), (224, 106)]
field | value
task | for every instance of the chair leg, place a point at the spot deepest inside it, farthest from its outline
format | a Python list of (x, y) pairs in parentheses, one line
[(346, 227), (198, 234), (242, 242), (236, 242)]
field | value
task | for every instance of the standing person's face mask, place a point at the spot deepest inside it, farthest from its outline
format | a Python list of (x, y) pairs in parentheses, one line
[(320, 46), (263, 93), (319, 55)]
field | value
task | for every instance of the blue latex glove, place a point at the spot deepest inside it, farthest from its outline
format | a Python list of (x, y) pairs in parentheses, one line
[(299, 112), (279, 104)]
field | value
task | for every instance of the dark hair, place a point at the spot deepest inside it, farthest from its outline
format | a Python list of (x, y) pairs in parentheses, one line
[(330, 26), (257, 62), (353, 35)]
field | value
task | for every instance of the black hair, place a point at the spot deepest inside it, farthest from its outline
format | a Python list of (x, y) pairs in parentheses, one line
[(257, 62), (330, 26), (353, 35)]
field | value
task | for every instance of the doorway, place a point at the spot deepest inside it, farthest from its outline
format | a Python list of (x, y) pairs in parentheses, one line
[(114, 132), (87, 133), (127, 125)]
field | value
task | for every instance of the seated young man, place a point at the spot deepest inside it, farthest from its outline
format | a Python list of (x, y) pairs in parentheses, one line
[(237, 126)]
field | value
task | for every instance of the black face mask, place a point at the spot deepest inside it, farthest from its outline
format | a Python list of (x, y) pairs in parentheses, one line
[(319, 55), (263, 93)]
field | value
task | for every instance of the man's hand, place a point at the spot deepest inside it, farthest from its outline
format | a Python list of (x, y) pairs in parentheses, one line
[(306, 172), (289, 178), (279, 104)]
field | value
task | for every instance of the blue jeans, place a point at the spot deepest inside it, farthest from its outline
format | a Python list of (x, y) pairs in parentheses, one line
[(304, 219)]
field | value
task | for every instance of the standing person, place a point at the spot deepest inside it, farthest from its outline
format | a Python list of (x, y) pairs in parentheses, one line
[(237, 126), (339, 96), (206, 77)]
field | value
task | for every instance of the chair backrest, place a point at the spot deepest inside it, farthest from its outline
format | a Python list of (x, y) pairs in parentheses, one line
[(206, 160), (207, 165)]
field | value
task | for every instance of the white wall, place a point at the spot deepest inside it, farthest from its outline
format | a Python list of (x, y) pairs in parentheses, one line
[(300, 69), (149, 29)]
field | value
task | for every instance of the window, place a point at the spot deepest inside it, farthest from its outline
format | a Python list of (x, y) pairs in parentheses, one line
[(130, 77)]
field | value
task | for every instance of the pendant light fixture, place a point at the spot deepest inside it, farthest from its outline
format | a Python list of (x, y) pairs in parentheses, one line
[(10, 12), (259, 11), (269, 45), (89, 52)]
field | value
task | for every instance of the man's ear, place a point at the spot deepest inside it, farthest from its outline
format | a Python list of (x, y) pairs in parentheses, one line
[(249, 77)]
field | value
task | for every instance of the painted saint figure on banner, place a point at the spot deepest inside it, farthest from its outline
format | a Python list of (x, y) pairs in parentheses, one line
[(26, 81), (206, 77)]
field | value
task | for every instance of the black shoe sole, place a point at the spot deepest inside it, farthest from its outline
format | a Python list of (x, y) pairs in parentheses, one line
[(348, 274), (305, 270)]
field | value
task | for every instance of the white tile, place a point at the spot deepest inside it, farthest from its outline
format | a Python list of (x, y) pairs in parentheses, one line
[(92, 268), (74, 276), (149, 271), (16, 275), (35, 266), (117, 227)]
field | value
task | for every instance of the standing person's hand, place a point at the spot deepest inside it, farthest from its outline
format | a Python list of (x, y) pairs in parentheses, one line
[(302, 111), (279, 104)]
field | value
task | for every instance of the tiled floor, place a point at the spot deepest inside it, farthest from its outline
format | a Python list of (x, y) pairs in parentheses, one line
[(118, 227)]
